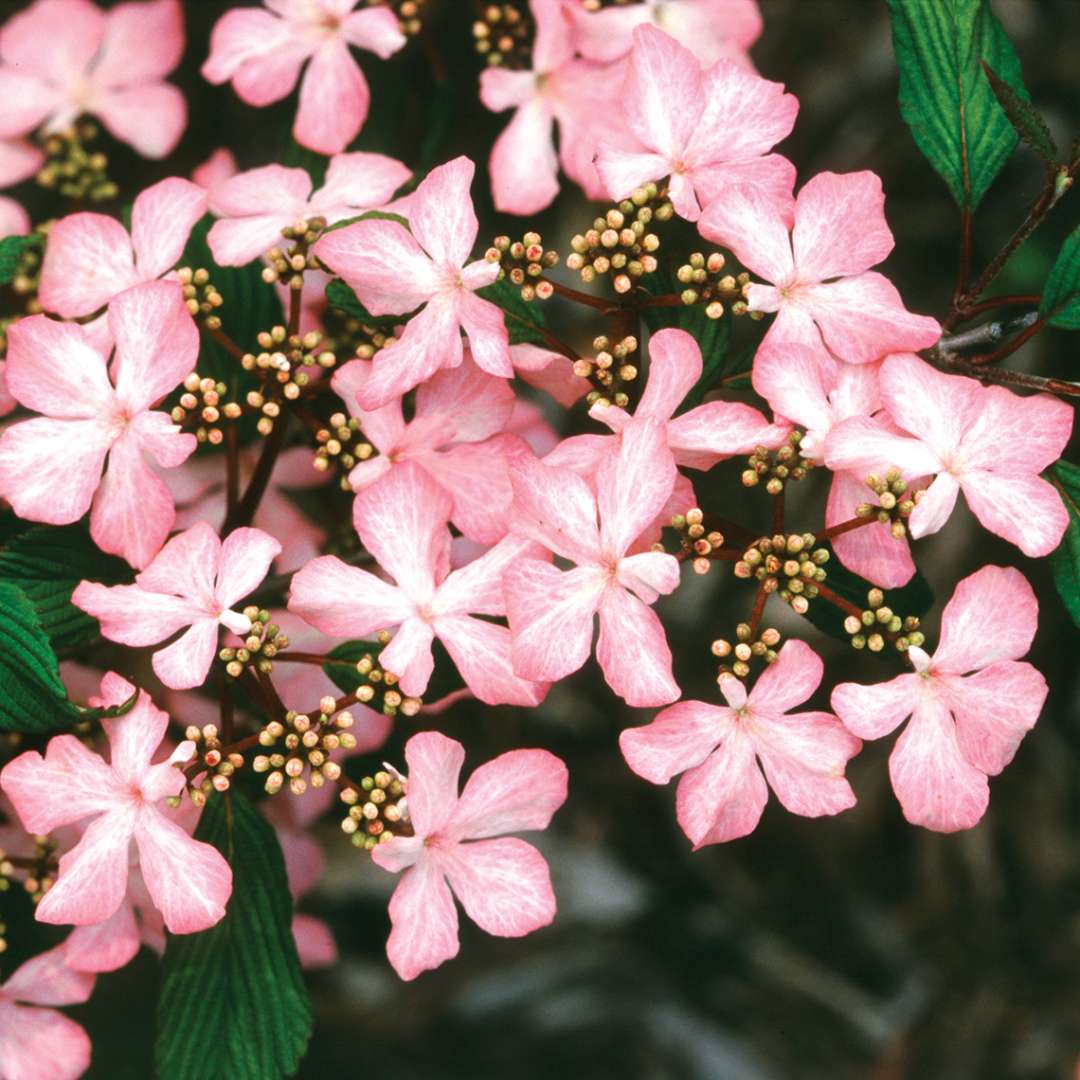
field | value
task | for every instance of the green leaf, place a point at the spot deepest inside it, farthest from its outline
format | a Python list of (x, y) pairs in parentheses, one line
[(11, 251), (341, 669), (47, 563), (368, 215), (341, 297), (945, 96), (1065, 561), (1060, 304), (915, 598), (33, 699), (1023, 116), (233, 1004), (525, 322), (314, 164)]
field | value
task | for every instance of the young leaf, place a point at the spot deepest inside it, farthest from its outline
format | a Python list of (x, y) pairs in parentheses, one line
[(946, 98), (1065, 561), (11, 251), (1023, 116), (524, 319), (233, 1004), (1060, 305)]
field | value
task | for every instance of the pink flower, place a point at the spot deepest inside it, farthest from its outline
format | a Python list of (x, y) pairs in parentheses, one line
[(502, 883), (51, 466), (192, 582), (823, 290), (549, 371), (90, 258), (18, 161), (215, 170), (35, 1040), (551, 611), (453, 436), (710, 130), (62, 59), (394, 271), (524, 164), (985, 441), (712, 29), (256, 205), (188, 881), (262, 55), (970, 703), (722, 751), (402, 522)]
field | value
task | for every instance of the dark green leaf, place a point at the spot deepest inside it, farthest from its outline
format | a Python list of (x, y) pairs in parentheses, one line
[(233, 1004), (341, 297), (47, 564), (1065, 561), (11, 252), (1060, 304), (296, 156), (524, 319), (368, 215), (32, 697), (1024, 117), (946, 98)]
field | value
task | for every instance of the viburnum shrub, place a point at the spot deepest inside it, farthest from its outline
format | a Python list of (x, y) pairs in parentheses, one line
[(298, 456)]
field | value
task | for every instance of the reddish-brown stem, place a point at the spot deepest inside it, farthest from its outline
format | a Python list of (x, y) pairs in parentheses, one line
[(554, 343), (260, 478), (225, 704), (838, 601), (308, 658), (224, 341), (994, 302), (757, 611), (846, 526), (25, 862), (965, 256), (1013, 378), (249, 742), (567, 293), (296, 297)]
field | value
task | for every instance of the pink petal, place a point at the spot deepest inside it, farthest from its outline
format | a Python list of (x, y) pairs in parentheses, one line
[(862, 446), (796, 381), (934, 509), (151, 118), (789, 681), (358, 181), (753, 228), (991, 616), (477, 587), (257, 50), (246, 556), (186, 566), (105, 946), (649, 574), (27, 102), (681, 737), (871, 550), (14, 221), (723, 798), (88, 260), (622, 169), (482, 652), (345, 601), (189, 881), (674, 368), (524, 166), (132, 615), (872, 712), (334, 99), (1026, 510), (938, 408), (185, 663), (664, 92), (441, 214), (504, 885), (1013, 434), (424, 921), (555, 508), (475, 404), (633, 652), (477, 477), (936, 787), (42, 1042), (434, 765), (409, 656), (143, 43), (54, 39), (378, 31), (485, 328), (548, 371), (19, 161), (718, 430), (48, 979), (134, 737), (315, 943)]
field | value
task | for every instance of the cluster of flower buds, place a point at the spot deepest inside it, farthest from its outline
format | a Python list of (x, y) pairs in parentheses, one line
[(522, 261), (610, 369), (892, 506), (202, 297), (301, 746), (378, 809), (285, 359), (212, 761), (260, 647), (289, 265), (789, 566), (777, 467), (202, 398), (72, 170), (40, 874), (696, 543), (504, 34), (705, 283), (878, 623), (341, 444), (379, 688), (746, 649), (621, 242)]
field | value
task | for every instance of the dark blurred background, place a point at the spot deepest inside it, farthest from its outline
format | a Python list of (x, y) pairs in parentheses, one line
[(851, 947)]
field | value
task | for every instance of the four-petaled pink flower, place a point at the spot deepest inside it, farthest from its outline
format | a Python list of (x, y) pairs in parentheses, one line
[(262, 54), (51, 466), (394, 271), (709, 130), (503, 883), (255, 206), (985, 441), (722, 750), (822, 290), (90, 258), (193, 582), (551, 611), (453, 436), (970, 703), (35, 1040), (62, 59), (402, 522), (189, 881)]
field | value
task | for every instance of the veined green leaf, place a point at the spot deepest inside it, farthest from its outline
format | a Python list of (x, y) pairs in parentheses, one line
[(1065, 561), (1060, 304)]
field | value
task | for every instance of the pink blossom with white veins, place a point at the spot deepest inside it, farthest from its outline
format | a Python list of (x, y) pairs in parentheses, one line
[(970, 704), (551, 611), (402, 522), (710, 129), (985, 441), (823, 292), (62, 59), (549, 371), (722, 750), (262, 53), (454, 436), (35, 1039), (192, 584), (189, 881), (18, 161), (87, 451), (394, 271), (254, 206), (90, 258), (459, 849)]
